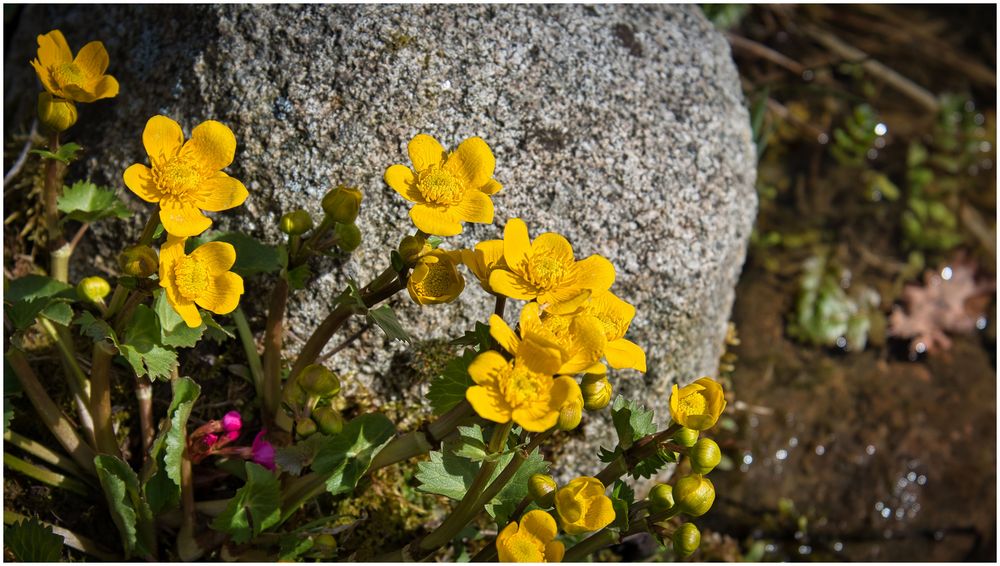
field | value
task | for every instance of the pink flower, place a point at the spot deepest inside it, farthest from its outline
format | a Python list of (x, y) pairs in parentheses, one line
[(210, 439), (263, 451), (232, 422), (233, 435)]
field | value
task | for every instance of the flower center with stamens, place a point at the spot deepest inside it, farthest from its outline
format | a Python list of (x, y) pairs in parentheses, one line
[(520, 385), (525, 548), (191, 277), (546, 271), (440, 187), (67, 74), (694, 404), (177, 176), (438, 282)]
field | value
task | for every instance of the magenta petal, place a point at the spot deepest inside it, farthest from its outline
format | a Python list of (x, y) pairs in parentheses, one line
[(233, 435), (263, 451), (232, 421), (210, 439)]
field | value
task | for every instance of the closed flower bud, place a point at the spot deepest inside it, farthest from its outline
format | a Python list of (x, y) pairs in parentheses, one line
[(348, 236), (661, 497), (410, 248), (56, 114), (329, 420), (542, 489), (697, 405), (686, 437), (570, 414), (318, 381), (596, 392), (342, 204), (694, 495), (705, 456), (138, 261), (435, 278), (686, 540), (296, 223), (305, 427), (325, 544), (582, 506), (93, 289)]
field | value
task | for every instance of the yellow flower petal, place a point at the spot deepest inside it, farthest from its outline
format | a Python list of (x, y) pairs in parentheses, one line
[(43, 75), (505, 337), (540, 524), (488, 404), (162, 138), (485, 368), (139, 180), (475, 207), (403, 181), (171, 251), (217, 257), (182, 220), (425, 151), (564, 300), (223, 294), (540, 354), (220, 192), (510, 285), (106, 87), (437, 221), (491, 187), (555, 551), (516, 244), (595, 273), (92, 59), (472, 162), (53, 49), (552, 245), (212, 144), (563, 389), (533, 419), (622, 353), (188, 311)]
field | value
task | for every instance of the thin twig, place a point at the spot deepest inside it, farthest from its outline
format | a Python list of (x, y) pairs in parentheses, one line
[(22, 157), (764, 52), (78, 236), (347, 342)]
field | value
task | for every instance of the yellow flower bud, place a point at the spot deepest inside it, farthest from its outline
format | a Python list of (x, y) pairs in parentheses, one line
[(329, 419), (410, 248), (318, 381), (697, 405), (305, 427), (661, 497), (348, 236), (342, 204), (435, 278), (296, 223), (694, 495), (686, 437), (55, 114), (596, 392), (582, 506), (686, 540), (138, 261), (705, 456), (571, 413), (542, 489), (93, 289)]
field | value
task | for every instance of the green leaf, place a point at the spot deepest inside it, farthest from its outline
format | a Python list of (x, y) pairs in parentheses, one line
[(296, 457), (95, 328), (480, 337), (385, 318), (173, 330), (471, 443), (142, 348), (503, 505), (86, 202), (252, 256), (255, 508), (448, 389), (186, 392), (649, 466), (631, 421), (58, 311), (446, 474), (297, 277), (291, 547), (31, 541), (66, 153), (621, 508), (345, 457), (128, 509), (27, 297)]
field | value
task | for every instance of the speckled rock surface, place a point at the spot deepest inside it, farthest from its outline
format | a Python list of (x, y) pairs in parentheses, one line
[(621, 127)]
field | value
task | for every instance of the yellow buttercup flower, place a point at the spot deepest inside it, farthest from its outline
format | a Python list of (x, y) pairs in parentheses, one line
[(582, 506), (435, 278), (186, 177), (615, 316), (538, 351), (81, 79), (578, 340), (448, 188), (546, 270), (533, 540), (201, 279), (697, 406), (487, 256), (511, 391)]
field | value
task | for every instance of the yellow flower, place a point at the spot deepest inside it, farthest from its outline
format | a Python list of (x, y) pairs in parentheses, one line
[(582, 506), (577, 340), (487, 256), (448, 189), (533, 540), (615, 316), (537, 350), (511, 391), (546, 270), (435, 278), (697, 406), (202, 278), (186, 177), (81, 79)]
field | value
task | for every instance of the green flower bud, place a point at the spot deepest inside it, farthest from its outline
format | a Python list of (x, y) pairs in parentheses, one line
[(348, 236), (686, 540), (542, 489), (596, 392), (138, 261), (570, 414), (686, 437), (329, 419), (296, 223), (325, 544), (56, 114), (410, 248), (694, 495), (93, 289), (661, 497), (305, 427), (318, 381), (705, 456), (342, 204)]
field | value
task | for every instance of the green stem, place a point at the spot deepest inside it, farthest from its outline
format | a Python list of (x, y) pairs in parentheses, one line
[(78, 385), (117, 301), (403, 448), (589, 545), (188, 548), (60, 263), (250, 347), (100, 398), (53, 179), (43, 453), (44, 475), (144, 397), (72, 540), (149, 230), (273, 340), (510, 469)]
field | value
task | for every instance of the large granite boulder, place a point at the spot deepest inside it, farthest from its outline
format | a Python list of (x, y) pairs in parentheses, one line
[(621, 127)]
